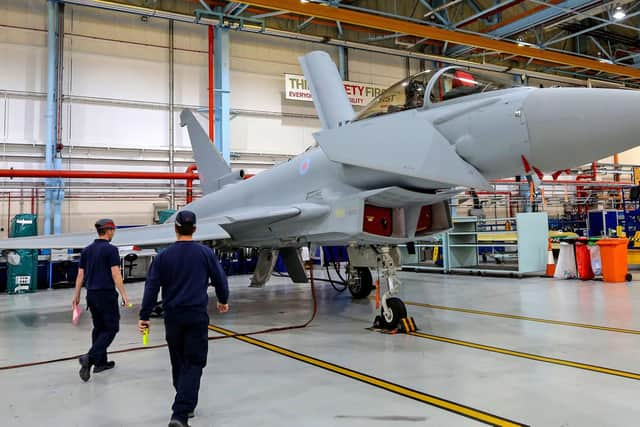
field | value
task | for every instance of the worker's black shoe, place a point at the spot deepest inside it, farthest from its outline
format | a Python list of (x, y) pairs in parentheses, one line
[(109, 365), (85, 370), (177, 423)]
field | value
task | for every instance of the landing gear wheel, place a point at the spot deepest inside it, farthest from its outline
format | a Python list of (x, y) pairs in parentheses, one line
[(397, 311), (362, 286), (628, 277)]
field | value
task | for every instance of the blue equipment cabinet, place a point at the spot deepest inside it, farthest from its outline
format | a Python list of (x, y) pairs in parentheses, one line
[(602, 223)]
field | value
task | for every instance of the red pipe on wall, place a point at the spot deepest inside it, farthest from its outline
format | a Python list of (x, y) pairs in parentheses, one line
[(190, 170), (35, 173), (212, 113)]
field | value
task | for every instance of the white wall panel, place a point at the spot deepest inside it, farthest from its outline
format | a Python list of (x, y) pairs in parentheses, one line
[(23, 60), (115, 25), (376, 68), (4, 101), (191, 79), (271, 54), (98, 70), (118, 126), (272, 135), (28, 13), (26, 120), (191, 37)]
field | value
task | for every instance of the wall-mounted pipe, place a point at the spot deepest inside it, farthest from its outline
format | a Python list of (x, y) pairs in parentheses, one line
[(172, 147), (58, 198), (211, 83), (52, 80), (190, 170), (37, 173), (222, 80)]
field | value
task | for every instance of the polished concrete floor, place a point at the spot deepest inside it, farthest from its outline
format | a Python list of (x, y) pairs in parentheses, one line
[(245, 385)]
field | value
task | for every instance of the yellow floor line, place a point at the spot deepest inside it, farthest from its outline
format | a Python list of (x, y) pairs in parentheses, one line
[(530, 319), (578, 365), (456, 408)]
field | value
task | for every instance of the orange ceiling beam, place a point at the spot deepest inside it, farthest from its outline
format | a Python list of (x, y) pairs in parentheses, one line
[(396, 25)]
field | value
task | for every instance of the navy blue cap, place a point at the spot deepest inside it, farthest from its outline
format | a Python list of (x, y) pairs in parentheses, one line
[(185, 218), (105, 223)]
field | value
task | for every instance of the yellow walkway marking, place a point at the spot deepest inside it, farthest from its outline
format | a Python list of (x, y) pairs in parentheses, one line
[(530, 319), (456, 408), (578, 365)]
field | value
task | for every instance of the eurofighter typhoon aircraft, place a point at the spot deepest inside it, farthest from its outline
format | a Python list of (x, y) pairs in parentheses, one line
[(384, 176)]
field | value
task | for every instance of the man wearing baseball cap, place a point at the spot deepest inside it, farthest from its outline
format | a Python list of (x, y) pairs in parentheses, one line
[(99, 269), (183, 271)]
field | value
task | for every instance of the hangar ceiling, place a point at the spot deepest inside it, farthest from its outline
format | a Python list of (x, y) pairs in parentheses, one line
[(578, 38)]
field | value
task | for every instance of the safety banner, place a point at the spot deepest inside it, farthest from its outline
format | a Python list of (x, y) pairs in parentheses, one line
[(297, 88)]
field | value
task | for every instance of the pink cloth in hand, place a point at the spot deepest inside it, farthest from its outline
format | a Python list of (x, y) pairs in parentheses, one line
[(77, 312)]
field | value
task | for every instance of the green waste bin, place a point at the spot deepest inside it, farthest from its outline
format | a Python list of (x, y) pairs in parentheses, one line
[(23, 277), (164, 215)]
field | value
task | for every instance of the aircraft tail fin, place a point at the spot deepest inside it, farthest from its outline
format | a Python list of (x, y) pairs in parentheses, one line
[(211, 165), (327, 89)]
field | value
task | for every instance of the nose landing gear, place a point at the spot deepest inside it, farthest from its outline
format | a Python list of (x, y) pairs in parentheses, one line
[(385, 260)]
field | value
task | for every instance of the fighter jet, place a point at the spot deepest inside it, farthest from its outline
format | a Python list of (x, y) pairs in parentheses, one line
[(384, 176)]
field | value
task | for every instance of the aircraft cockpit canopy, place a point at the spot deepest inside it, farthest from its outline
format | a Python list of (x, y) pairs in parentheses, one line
[(446, 84), (404, 95)]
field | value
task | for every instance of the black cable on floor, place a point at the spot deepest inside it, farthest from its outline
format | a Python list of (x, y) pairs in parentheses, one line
[(151, 347)]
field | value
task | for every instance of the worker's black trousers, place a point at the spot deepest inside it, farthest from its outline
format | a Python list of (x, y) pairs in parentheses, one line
[(106, 323), (187, 334)]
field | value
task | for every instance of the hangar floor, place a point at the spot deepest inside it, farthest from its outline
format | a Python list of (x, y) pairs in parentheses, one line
[(467, 368)]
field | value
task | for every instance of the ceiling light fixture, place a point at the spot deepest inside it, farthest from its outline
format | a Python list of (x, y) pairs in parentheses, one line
[(619, 14)]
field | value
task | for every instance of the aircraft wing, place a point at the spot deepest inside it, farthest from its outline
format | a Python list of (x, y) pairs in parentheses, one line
[(262, 215), (150, 235), (162, 234)]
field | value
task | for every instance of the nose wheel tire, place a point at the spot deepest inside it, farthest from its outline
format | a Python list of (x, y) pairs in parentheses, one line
[(392, 317), (362, 286)]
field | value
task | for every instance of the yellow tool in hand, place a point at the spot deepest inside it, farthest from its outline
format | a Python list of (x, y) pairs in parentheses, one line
[(145, 336)]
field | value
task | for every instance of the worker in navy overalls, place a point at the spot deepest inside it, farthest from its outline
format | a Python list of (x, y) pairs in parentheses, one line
[(99, 270), (183, 271)]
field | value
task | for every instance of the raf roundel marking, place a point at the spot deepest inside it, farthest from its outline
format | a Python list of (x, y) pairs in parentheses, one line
[(304, 166)]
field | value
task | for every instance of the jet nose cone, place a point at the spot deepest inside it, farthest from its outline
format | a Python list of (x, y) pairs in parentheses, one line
[(569, 127)]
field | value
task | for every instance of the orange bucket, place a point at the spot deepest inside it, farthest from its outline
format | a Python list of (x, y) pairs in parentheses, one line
[(614, 259)]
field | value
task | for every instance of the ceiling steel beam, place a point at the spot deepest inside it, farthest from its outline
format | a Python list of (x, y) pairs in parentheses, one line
[(569, 10), (445, 6), (588, 30), (605, 7), (437, 15), (395, 25), (500, 7)]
